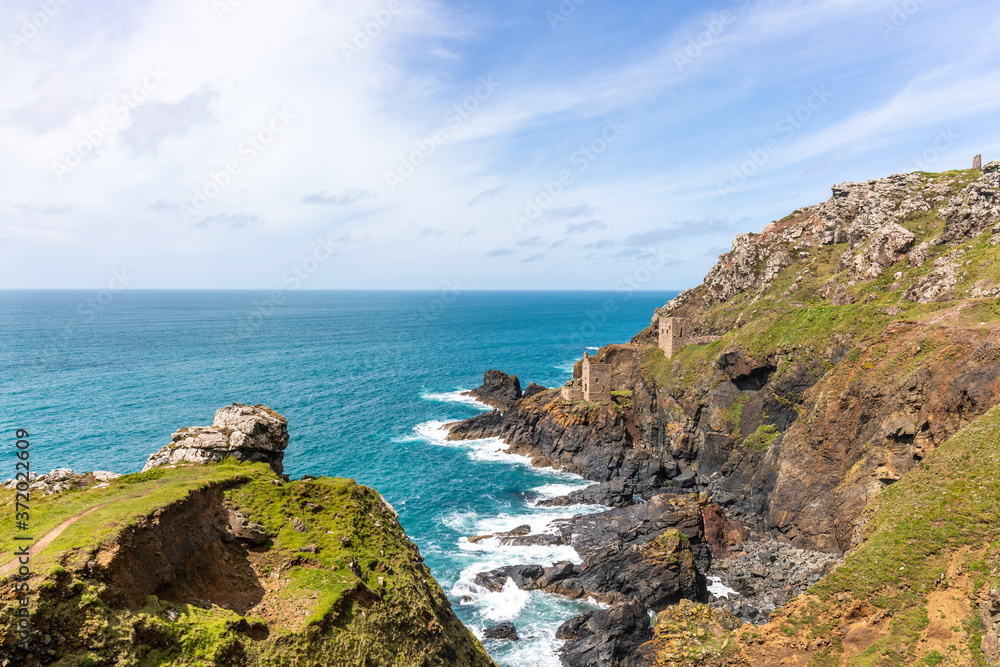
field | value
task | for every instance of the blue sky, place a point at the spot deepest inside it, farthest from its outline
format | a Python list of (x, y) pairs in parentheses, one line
[(398, 144)]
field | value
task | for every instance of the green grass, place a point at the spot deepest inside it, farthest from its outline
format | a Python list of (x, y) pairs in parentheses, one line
[(321, 611), (762, 438)]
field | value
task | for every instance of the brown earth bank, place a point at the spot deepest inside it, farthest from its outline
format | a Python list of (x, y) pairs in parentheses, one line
[(823, 361)]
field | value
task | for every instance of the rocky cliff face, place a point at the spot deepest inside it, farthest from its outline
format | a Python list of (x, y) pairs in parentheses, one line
[(224, 564), (855, 338)]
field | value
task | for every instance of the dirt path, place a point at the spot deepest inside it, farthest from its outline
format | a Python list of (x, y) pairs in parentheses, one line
[(47, 539)]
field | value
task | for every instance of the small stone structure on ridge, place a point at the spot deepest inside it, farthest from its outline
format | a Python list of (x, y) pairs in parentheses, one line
[(596, 380), (977, 163), (595, 385), (674, 336)]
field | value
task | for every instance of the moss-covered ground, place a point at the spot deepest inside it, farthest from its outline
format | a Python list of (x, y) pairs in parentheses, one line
[(338, 581)]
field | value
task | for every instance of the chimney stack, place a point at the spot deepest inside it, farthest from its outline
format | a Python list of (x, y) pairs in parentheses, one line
[(977, 163)]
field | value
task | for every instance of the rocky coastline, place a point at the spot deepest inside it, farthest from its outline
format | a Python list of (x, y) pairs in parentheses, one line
[(822, 362)]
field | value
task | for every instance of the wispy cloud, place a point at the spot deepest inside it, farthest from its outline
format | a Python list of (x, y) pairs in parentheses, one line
[(487, 195), (233, 221), (345, 198)]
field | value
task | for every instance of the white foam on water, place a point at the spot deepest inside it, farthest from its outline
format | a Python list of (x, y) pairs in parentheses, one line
[(491, 450), (547, 491), (593, 348), (457, 396), (566, 367), (536, 614), (719, 589)]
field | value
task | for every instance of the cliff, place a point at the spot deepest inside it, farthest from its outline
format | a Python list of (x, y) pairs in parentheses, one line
[(822, 362), (223, 563)]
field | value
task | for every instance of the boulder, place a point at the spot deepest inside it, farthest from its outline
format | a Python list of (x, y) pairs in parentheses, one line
[(243, 529), (605, 638), (533, 389), (247, 433), (502, 631), (499, 390)]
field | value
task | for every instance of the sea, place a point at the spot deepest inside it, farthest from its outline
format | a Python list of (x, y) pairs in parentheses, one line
[(367, 381)]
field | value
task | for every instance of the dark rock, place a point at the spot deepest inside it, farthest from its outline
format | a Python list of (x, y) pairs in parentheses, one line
[(556, 573), (299, 526), (499, 390), (605, 638), (722, 533), (687, 480), (502, 631), (533, 389)]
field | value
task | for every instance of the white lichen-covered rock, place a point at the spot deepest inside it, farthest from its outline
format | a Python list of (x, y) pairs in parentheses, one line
[(247, 433), (887, 246), (975, 209), (61, 479), (939, 283)]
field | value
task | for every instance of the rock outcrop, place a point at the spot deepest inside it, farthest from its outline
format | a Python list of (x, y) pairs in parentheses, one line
[(247, 433), (205, 562), (499, 390), (605, 638)]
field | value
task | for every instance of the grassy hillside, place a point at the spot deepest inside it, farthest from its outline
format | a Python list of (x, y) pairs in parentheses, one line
[(152, 578)]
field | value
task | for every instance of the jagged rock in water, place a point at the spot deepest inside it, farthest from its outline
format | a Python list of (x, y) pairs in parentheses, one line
[(247, 433), (499, 390), (605, 638), (503, 631)]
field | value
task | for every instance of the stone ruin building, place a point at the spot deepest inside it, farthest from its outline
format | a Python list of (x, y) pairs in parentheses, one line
[(674, 335), (595, 385), (977, 163)]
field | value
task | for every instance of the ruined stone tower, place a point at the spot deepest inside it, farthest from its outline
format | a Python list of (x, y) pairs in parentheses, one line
[(977, 163), (596, 380), (671, 335)]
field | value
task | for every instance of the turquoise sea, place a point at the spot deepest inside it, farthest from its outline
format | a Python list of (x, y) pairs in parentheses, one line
[(366, 380)]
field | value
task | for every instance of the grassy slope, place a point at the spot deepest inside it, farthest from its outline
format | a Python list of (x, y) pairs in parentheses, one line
[(316, 610), (935, 534)]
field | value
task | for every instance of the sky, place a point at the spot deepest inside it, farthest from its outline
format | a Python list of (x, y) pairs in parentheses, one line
[(450, 145)]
